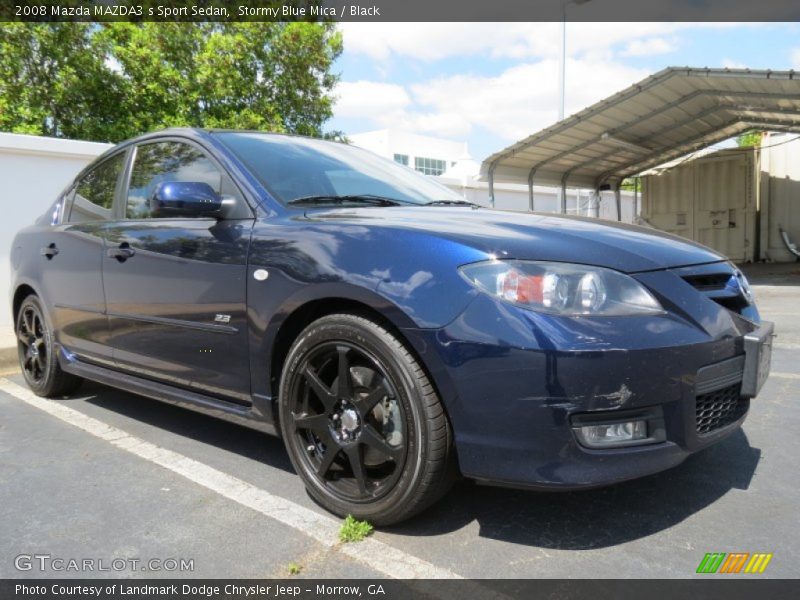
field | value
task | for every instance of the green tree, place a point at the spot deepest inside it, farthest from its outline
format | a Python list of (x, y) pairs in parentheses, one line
[(749, 139), (631, 184), (53, 81), (110, 81)]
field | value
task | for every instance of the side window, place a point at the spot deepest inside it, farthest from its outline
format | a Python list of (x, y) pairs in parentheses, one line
[(169, 161), (94, 195)]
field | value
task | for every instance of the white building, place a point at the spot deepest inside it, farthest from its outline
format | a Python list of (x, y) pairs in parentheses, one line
[(426, 154)]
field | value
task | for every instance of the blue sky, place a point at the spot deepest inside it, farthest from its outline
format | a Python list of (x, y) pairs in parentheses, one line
[(493, 83)]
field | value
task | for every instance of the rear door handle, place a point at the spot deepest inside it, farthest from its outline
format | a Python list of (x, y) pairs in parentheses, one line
[(49, 251), (122, 253)]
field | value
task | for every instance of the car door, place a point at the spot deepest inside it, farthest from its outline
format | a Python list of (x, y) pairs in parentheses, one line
[(71, 257), (176, 287)]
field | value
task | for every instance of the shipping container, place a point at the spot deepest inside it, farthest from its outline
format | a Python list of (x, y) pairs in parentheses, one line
[(734, 200)]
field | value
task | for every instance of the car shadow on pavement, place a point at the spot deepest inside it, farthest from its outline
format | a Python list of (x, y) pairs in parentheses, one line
[(594, 518), (560, 520), (238, 439)]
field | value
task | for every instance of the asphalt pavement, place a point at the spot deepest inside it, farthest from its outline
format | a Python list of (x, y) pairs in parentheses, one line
[(117, 476)]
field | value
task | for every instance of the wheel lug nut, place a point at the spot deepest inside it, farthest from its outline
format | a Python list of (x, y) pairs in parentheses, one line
[(310, 449), (335, 417)]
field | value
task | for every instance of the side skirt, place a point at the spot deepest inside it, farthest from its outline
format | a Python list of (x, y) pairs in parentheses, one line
[(208, 405)]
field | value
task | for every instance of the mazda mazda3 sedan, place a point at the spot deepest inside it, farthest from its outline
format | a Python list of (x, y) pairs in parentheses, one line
[(394, 335)]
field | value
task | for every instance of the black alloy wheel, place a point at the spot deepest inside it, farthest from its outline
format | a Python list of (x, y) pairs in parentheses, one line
[(36, 350), (361, 422), (347, 414), (34, 353)]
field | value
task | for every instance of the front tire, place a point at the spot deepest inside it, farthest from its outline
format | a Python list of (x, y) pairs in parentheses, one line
[(362, 423), (36, 350)]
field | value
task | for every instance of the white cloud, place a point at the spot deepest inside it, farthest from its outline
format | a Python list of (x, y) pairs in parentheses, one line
[(437, 41), (649, 47), (370, 100), (733, 64), (422, 41), (510, 105), (389, 105), (523, 99)]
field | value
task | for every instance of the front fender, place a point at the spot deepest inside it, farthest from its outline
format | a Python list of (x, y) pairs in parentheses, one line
[(269, 308), (410, 278)]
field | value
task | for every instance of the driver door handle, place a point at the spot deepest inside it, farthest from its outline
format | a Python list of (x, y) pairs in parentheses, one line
[(122, 252)]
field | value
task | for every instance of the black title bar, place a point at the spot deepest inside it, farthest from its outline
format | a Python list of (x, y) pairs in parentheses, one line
[(600, 11), (710, 588)]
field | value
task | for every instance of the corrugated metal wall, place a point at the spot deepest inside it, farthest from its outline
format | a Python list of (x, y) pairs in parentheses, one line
[(780, 195), (711, 200)]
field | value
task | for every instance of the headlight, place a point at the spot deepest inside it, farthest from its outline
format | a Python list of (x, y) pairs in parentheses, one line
[(562, 288)]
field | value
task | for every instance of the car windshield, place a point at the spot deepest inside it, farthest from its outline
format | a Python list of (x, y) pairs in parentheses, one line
[(293, 168)]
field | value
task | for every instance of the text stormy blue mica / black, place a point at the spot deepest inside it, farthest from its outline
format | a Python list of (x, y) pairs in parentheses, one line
[(394, 334)]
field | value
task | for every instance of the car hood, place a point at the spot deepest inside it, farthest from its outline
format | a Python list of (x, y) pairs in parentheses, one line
[(536, 236)]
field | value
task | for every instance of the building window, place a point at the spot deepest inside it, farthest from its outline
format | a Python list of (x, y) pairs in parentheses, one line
[(401, 158), (430, 166)]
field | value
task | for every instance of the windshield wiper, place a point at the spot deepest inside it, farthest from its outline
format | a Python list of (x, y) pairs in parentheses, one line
[(451, 203), (347, 199)]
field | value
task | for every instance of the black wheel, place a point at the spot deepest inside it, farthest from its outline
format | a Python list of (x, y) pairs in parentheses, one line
[(36, 353), (363, 426)]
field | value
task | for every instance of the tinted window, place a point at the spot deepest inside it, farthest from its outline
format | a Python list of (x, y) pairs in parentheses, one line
[(94, 195), (297, 167), (169, 161)]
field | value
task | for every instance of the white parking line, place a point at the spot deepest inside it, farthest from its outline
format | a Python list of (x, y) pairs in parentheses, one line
[(784, 375), (375, 554), (785, 346)]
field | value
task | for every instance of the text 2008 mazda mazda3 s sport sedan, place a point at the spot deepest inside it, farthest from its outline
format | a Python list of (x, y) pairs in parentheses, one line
[(393, 334)]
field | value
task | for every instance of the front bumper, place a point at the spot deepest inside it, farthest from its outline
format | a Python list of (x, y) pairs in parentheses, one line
[(513, 396)]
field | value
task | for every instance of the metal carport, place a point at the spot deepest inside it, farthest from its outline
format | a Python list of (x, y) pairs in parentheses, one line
[(672, 113)]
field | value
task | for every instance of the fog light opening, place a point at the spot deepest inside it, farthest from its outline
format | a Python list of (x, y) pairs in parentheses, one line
[(612, 434)]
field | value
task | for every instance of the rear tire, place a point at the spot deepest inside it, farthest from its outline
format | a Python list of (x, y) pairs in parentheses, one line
[(363, 426), (36, 349)]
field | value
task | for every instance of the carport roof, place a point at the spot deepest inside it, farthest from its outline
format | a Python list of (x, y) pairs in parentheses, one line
[(669, 114)]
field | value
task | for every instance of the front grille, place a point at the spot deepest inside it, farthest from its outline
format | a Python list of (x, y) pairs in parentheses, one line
[(708, 282), (715, 286), (720, 408)]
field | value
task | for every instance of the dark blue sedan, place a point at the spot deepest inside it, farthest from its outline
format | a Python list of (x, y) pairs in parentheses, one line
[(393, 334)]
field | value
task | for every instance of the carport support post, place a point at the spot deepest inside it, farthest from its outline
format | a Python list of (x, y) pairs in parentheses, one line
[(596, 204), (491, 186), (530, 194), (618, 200), (563, 196)]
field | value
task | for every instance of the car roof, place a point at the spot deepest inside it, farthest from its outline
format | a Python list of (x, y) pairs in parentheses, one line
[(203, 132), (193, 133)]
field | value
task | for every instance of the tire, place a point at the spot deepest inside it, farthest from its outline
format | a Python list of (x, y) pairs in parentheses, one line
[(379, 446), (36, 349)]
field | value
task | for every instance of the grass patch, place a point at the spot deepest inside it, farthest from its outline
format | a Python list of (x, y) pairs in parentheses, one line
[(294, 568), (353, 530)]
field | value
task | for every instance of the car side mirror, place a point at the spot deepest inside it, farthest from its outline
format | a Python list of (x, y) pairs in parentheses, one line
[(185, 199)]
